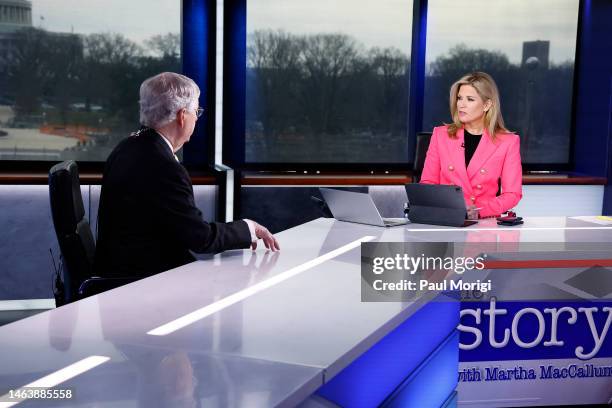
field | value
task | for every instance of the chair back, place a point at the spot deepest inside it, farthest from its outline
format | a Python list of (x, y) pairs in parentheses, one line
[(72, 229), (420, 153), (96, 285)]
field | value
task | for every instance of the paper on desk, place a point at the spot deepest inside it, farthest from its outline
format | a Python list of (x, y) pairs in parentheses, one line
[(597, 219)]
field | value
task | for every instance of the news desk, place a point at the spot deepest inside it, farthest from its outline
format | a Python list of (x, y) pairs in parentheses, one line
[(253, 329)]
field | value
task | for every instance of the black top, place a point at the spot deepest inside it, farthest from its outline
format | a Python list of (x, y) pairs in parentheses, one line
[(147, 219), (471, 143)]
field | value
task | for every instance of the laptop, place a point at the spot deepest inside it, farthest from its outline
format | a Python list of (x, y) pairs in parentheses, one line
[(437, 205), (356, 207)]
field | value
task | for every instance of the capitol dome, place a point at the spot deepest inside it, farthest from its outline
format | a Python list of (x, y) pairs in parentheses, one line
[(15, 14)]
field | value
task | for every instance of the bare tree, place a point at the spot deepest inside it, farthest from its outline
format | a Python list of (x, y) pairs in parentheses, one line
[(64, 59), (27, 68), (309, 91), (273, 59), (461, 60), (392, 69), (110, 60), (327, 58), (165, 45), (110, 48)]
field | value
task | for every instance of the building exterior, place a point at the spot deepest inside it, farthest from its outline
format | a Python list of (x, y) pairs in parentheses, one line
[(15, 15), (536, 54)]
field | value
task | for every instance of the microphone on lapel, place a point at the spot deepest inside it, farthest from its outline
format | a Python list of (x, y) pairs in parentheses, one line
[(463, 145), (139, 131)]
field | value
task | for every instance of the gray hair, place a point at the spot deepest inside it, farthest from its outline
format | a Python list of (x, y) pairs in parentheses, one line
[(163, 95)]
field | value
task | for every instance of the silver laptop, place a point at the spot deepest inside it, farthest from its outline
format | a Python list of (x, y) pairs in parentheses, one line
[(356, 207)]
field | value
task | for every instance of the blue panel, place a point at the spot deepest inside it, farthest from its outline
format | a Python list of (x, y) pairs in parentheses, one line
[(198, 51), (196, 21), (594, 89), (234, 82), (371, 378), (417, 73), (433, 382)]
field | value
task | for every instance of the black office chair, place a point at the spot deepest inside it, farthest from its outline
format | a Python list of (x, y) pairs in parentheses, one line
[(74, 279), (72, 230), (420, 152), (96, 285)]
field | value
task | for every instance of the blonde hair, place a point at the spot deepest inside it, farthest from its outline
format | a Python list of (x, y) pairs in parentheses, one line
[(486, 88)]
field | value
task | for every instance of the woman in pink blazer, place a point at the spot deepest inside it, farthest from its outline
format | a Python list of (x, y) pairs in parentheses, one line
[(476, 150)]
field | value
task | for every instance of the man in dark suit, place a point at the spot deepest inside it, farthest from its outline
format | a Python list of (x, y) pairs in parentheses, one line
[(147, 218)]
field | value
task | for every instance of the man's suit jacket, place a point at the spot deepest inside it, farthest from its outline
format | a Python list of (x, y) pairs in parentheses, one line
[(445, 164), (147, 218)]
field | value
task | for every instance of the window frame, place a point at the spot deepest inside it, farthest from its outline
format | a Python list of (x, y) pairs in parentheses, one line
[(234, 101), (198, 59), (234, 97), (570, 165), (198, 36)]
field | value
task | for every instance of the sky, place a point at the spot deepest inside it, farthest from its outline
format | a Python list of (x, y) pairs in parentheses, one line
[(503, 25), (491, 24), (136, 19)]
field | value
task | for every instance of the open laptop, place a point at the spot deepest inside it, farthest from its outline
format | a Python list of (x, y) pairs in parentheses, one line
[(437, 204), (356, 207)]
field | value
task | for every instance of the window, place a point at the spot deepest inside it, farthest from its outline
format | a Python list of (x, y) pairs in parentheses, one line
[(327, 82), (527, 46), (70, 73)]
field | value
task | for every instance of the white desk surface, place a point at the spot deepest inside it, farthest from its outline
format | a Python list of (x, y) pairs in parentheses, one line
[(274, 346)]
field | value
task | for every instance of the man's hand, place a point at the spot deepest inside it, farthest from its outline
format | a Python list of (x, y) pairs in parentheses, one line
[(262, 233)]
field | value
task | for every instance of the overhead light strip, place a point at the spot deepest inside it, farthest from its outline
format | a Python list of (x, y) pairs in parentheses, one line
[(55, 378), (212, 308)]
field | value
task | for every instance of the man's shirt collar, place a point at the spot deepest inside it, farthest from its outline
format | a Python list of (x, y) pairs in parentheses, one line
[(165, 139)]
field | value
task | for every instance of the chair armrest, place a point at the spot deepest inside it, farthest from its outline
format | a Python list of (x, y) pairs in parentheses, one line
[(96, 285)]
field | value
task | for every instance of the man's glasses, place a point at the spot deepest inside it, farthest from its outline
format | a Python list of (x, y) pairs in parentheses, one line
[(199, 112)]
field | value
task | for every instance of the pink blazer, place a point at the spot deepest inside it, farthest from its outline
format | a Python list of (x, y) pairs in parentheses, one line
[(445, 164)]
